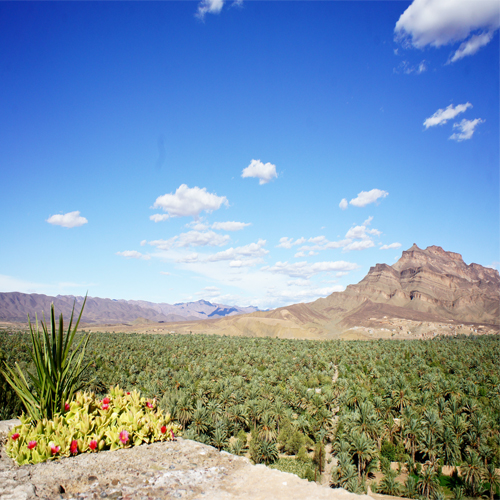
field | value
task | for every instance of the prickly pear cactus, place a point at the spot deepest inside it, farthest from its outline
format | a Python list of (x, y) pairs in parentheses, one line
[(89, 425)]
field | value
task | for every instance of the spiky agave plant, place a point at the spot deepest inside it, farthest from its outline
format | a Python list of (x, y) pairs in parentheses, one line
[(58, 368)]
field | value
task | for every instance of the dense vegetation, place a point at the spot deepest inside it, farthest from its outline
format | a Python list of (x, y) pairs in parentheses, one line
[(423, 403)]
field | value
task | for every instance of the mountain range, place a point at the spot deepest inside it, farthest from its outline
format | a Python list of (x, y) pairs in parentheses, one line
[(15, 306), (426, 292), (429, 290)]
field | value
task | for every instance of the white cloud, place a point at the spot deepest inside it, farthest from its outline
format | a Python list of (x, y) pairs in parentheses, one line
[(366, 197), (192, 239), (318, 240), (189, 202), (285, 242), (288, 242), (252, 250), (343, 204), (465, 129), (230, 225), (265, 172), (392, 245), (444, 22), (165, 273), (441, 22), (359, 245), (133, 254), (71, 219), (159, 217), (245, 262), (441, 116), (197, 225), (143, 242), (471, 46), (188, 259), (306, 270), (320, 243), (202, 239), (209, 7)]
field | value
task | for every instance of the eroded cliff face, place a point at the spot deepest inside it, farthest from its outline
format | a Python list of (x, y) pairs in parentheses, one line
[(436, 282)]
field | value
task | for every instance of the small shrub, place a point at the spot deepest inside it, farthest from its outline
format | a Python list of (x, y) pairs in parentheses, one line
[(302, 456), (89, 425), (388, 450)]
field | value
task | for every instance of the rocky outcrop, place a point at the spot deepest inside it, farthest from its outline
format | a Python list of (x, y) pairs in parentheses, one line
[(179, 469)]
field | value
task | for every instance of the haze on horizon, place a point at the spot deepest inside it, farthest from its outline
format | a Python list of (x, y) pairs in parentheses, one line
[(245, 153)]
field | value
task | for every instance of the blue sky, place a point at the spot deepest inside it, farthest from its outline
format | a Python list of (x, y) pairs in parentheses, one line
[(262, 153)]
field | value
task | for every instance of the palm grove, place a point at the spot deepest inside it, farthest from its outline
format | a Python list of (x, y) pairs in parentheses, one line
[(424, 405)]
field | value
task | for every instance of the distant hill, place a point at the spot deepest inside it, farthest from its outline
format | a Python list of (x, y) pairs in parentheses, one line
[(15, 306), (425, 287)]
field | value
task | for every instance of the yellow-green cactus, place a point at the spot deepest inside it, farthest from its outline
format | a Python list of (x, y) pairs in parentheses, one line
[(89, 425)]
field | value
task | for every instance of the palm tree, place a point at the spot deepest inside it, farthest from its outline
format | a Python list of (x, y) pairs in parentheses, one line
[(411, 432), (268, 452), (199, 420), (389, 486), (184, 410), (410, 488), (429, 445), (471, 470), (450, 447), (490, 475), (267, 428), (401, 392), (428, 483), (364, 449), (220, 437)]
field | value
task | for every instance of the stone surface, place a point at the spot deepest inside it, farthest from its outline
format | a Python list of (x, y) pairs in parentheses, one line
[(181, 469), (5, 427)]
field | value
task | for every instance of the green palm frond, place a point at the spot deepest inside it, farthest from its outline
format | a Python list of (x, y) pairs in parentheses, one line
[(58, 367)]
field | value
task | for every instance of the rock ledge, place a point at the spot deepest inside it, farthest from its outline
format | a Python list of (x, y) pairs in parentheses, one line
[(180, 469)]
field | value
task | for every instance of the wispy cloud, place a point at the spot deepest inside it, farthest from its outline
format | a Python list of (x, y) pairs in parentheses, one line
[(471, 46), (192, 239), (366, 197), (209, 7), (213, 7), (441, 116), (307, 270), (71, 219), (159, 217), (133, 254), (209, 291), (188, 202), (348, 243), (407, 68), (343, 204), (240, 254), (392, 245), (465, 129), (230, 226), (265, 172), (286, 242)]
